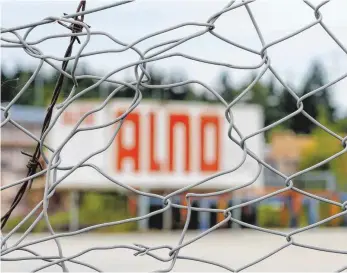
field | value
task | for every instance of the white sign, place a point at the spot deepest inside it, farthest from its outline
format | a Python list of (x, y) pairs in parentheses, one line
[(159, 145)]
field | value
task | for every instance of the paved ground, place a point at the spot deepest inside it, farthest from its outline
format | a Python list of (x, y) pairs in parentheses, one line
[(231, 248)]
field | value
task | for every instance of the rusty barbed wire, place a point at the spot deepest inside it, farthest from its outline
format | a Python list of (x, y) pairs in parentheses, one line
[(33, 163), (53, 162)]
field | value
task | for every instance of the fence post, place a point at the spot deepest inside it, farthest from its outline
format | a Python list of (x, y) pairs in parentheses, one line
[(74, 210), (204, 216), (143, 209), (236, 200), (343, 198), (313, 207), (167, 219)]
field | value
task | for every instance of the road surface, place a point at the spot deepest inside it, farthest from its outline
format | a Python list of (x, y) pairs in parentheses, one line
[(233, 248)]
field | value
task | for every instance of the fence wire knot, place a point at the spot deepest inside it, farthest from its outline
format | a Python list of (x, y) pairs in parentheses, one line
[(143, 251)]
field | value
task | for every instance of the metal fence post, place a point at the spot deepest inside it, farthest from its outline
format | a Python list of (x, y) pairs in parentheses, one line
[(143, 209), (204, 216), (167, 219), (236, 200), (74, 210)]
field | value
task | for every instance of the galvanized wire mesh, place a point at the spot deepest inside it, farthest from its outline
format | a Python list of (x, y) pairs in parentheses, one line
[(151, 55)]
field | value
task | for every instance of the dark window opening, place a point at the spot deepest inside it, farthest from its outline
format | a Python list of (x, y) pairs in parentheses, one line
[(213, 216), (194, 217), (176, 218), (248, 215), (156, 221)]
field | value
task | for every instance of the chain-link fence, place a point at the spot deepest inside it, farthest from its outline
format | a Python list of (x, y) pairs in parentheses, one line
[(155, 53)]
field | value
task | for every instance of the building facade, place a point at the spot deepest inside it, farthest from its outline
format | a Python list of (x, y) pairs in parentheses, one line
[(13, 143)]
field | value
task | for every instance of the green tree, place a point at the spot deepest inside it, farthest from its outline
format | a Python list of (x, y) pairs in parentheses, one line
[(8, 86), (227, 92), (271, 110), (315, 79), (27, 98), (183, 92), (325, 146), (82, 83)]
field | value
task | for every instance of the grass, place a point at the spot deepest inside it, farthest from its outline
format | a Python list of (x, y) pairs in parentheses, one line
[(95, 209)]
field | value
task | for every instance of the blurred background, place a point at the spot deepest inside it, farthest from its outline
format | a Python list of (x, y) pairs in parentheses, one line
[(305, 62)]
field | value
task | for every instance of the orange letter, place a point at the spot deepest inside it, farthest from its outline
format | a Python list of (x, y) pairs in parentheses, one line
[(154, 165), (175, 119), (133, 152), (89, 119), (67, 118), (204, 165)]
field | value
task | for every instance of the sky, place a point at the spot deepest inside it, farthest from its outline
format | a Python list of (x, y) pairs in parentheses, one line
[(276, 18)]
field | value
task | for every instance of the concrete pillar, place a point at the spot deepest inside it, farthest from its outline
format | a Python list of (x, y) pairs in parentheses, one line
[(313, 211), (204, 217), (167, 215), (74, 210), (236, 214), (343, 198), (143, 209), (167, 219)]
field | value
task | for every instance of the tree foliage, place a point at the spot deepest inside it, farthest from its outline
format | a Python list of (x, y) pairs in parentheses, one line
[(326, 146), (315, 79), (276, 103)]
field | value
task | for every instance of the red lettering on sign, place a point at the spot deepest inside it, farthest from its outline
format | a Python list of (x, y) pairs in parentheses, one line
[(71, 118), (174, 120), (89, 119), (204, 165), (154, 166), (208, 154), (126, 152), (67, 118)]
